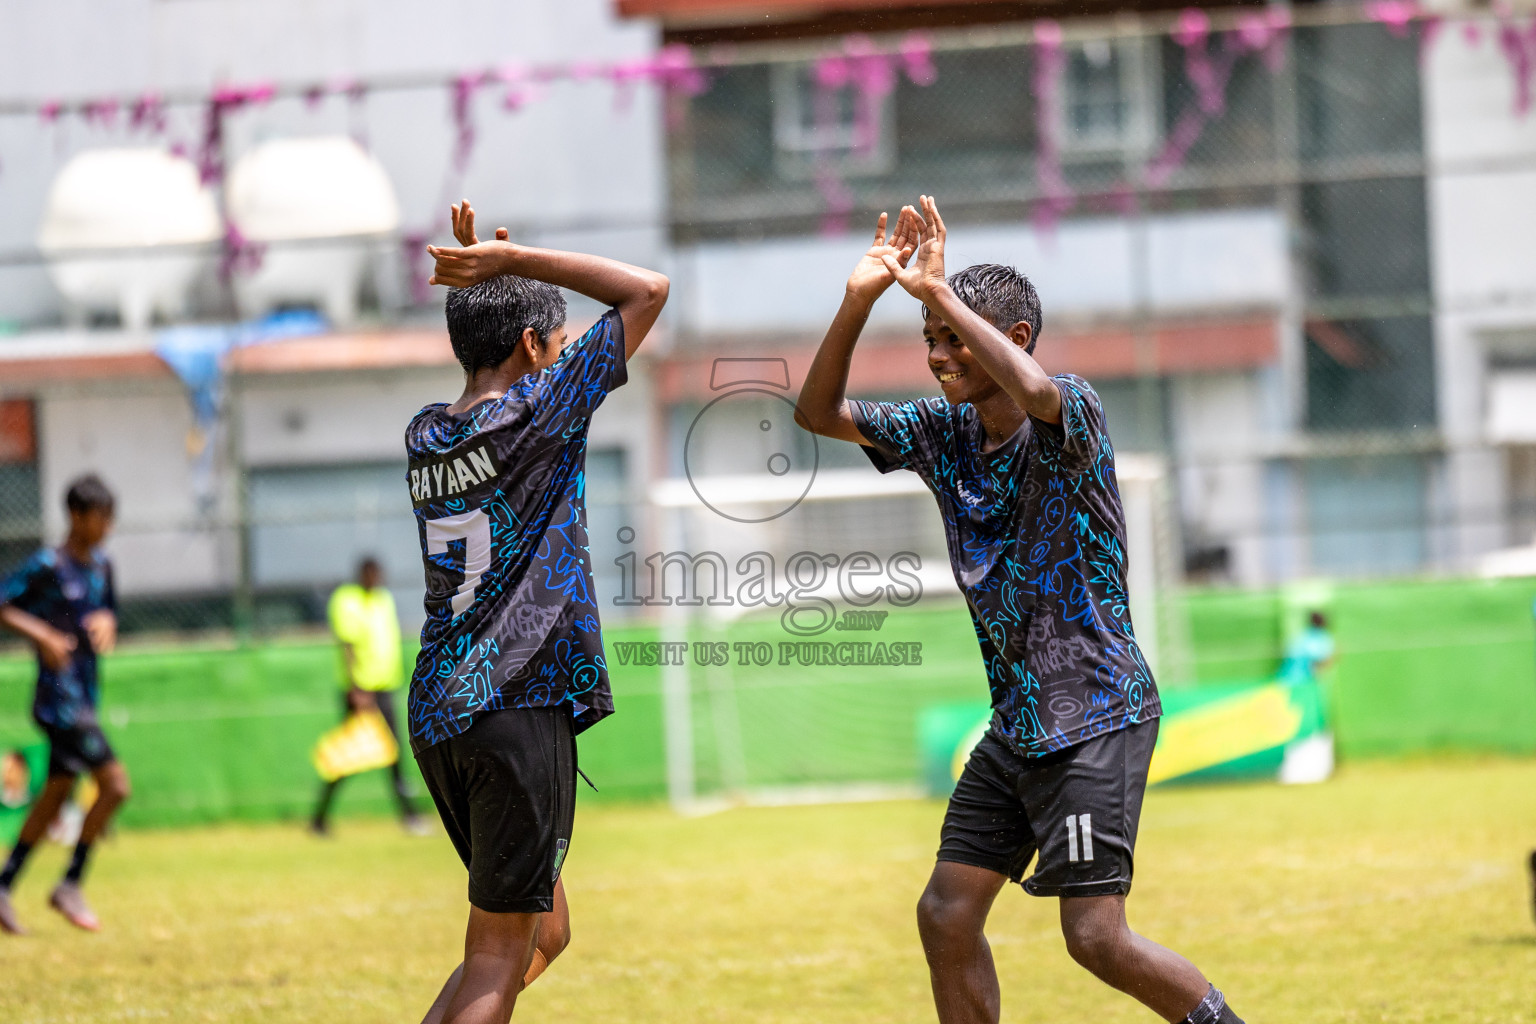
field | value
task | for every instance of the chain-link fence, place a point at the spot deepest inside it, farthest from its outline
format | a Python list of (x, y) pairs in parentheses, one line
[(1329, 452), (1352, 458)]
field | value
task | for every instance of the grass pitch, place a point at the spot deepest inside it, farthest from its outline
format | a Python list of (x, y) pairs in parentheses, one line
[(1394, 893)]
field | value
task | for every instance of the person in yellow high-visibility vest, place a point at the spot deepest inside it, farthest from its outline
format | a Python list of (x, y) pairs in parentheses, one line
[(363, 619)]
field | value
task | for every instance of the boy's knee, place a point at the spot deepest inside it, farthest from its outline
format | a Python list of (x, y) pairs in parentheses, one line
[(553, 938), (1095, 943), (941, 918), (113, 784)]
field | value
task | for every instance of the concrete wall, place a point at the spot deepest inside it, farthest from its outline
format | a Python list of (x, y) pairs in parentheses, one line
[(1483, 245), (138, 437)]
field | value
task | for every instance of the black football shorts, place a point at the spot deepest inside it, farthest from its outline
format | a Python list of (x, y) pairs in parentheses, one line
[(506, 791), (78, 749), (1076, 808)]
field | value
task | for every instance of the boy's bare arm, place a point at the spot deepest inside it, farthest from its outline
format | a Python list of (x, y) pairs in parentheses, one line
[(638, 294), (1015, 370), (823, 404), (54, 647)]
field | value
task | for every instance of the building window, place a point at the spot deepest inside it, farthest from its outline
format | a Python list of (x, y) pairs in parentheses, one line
[(309, 525), (1106, 100), (1366, 514), (818, 128), (1370, 374), (1357, 93)]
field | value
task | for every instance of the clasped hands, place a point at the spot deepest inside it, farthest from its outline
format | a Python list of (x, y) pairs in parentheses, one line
[(913, 256), (476, 261)]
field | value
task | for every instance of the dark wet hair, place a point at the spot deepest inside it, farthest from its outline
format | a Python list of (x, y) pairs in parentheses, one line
[(486, 320), (1319, 620), (87, 492), (1000, 295)]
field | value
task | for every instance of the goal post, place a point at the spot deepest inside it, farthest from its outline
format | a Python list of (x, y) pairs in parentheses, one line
[(741, 732)]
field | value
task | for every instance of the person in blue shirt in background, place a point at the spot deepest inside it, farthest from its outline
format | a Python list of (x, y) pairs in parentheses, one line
[(1311, 652), (62, 600)]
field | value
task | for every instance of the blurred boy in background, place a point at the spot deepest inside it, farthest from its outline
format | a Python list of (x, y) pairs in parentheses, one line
[(61, 599), (1312, 651), (363, 619)]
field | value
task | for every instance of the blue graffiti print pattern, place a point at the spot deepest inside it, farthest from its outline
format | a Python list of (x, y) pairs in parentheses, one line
[(1036, 538), (499, 494), (54, 587)]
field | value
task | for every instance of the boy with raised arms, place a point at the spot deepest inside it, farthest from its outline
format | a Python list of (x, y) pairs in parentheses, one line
[(511, 665), (1021, 466)]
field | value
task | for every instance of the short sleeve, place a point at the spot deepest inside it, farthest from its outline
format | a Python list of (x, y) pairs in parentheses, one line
[(23, 586), (585, 373), (901, 435), (342, 613), (1072, 445)]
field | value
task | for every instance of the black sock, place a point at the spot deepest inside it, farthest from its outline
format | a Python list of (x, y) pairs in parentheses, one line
[(77, 862), (1213, 1009), (13, 864)]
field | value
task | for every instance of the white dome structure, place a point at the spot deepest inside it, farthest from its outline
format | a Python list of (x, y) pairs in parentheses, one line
[(294, 190), (138, 201)]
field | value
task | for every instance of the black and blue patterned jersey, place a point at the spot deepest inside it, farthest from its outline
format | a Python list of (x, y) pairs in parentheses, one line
[(62, 592), (1036, 537), (499, 493)]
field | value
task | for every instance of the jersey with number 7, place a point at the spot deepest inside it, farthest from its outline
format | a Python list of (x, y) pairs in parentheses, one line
[(499, 494)]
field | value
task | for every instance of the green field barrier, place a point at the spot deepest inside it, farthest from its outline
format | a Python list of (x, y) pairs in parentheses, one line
[(222, 733), (1423, 666)]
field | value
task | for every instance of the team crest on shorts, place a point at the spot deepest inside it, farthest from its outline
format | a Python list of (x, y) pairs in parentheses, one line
[(560, 848)]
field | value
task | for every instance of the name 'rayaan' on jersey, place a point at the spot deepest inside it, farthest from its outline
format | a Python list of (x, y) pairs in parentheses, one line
[(442, 476)]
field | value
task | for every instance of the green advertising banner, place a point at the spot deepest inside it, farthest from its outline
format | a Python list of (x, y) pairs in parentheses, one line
[(1260, 730)]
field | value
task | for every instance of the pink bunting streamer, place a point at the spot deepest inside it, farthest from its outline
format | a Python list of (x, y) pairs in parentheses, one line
[(872, 74), (1264, 33), (147, 113), (464, 89), (1056, 198), (413, 246), (860, 65), (1192, 32), (1519, 47), (1396, 15), (917, 59), (100, 113), (240, 255), (225, 99)]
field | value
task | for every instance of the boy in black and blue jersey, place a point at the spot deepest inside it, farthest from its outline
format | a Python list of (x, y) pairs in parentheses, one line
[(1022, 468), (511, 665), (62, 600)]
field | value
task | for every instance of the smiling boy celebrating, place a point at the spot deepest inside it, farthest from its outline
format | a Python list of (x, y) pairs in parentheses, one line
[(1024, 476)]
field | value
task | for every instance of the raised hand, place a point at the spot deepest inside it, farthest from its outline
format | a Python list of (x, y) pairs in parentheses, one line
[(871, 277), (477, 261), (909, 231), (101, 627), (463, 218), (925, 270)]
